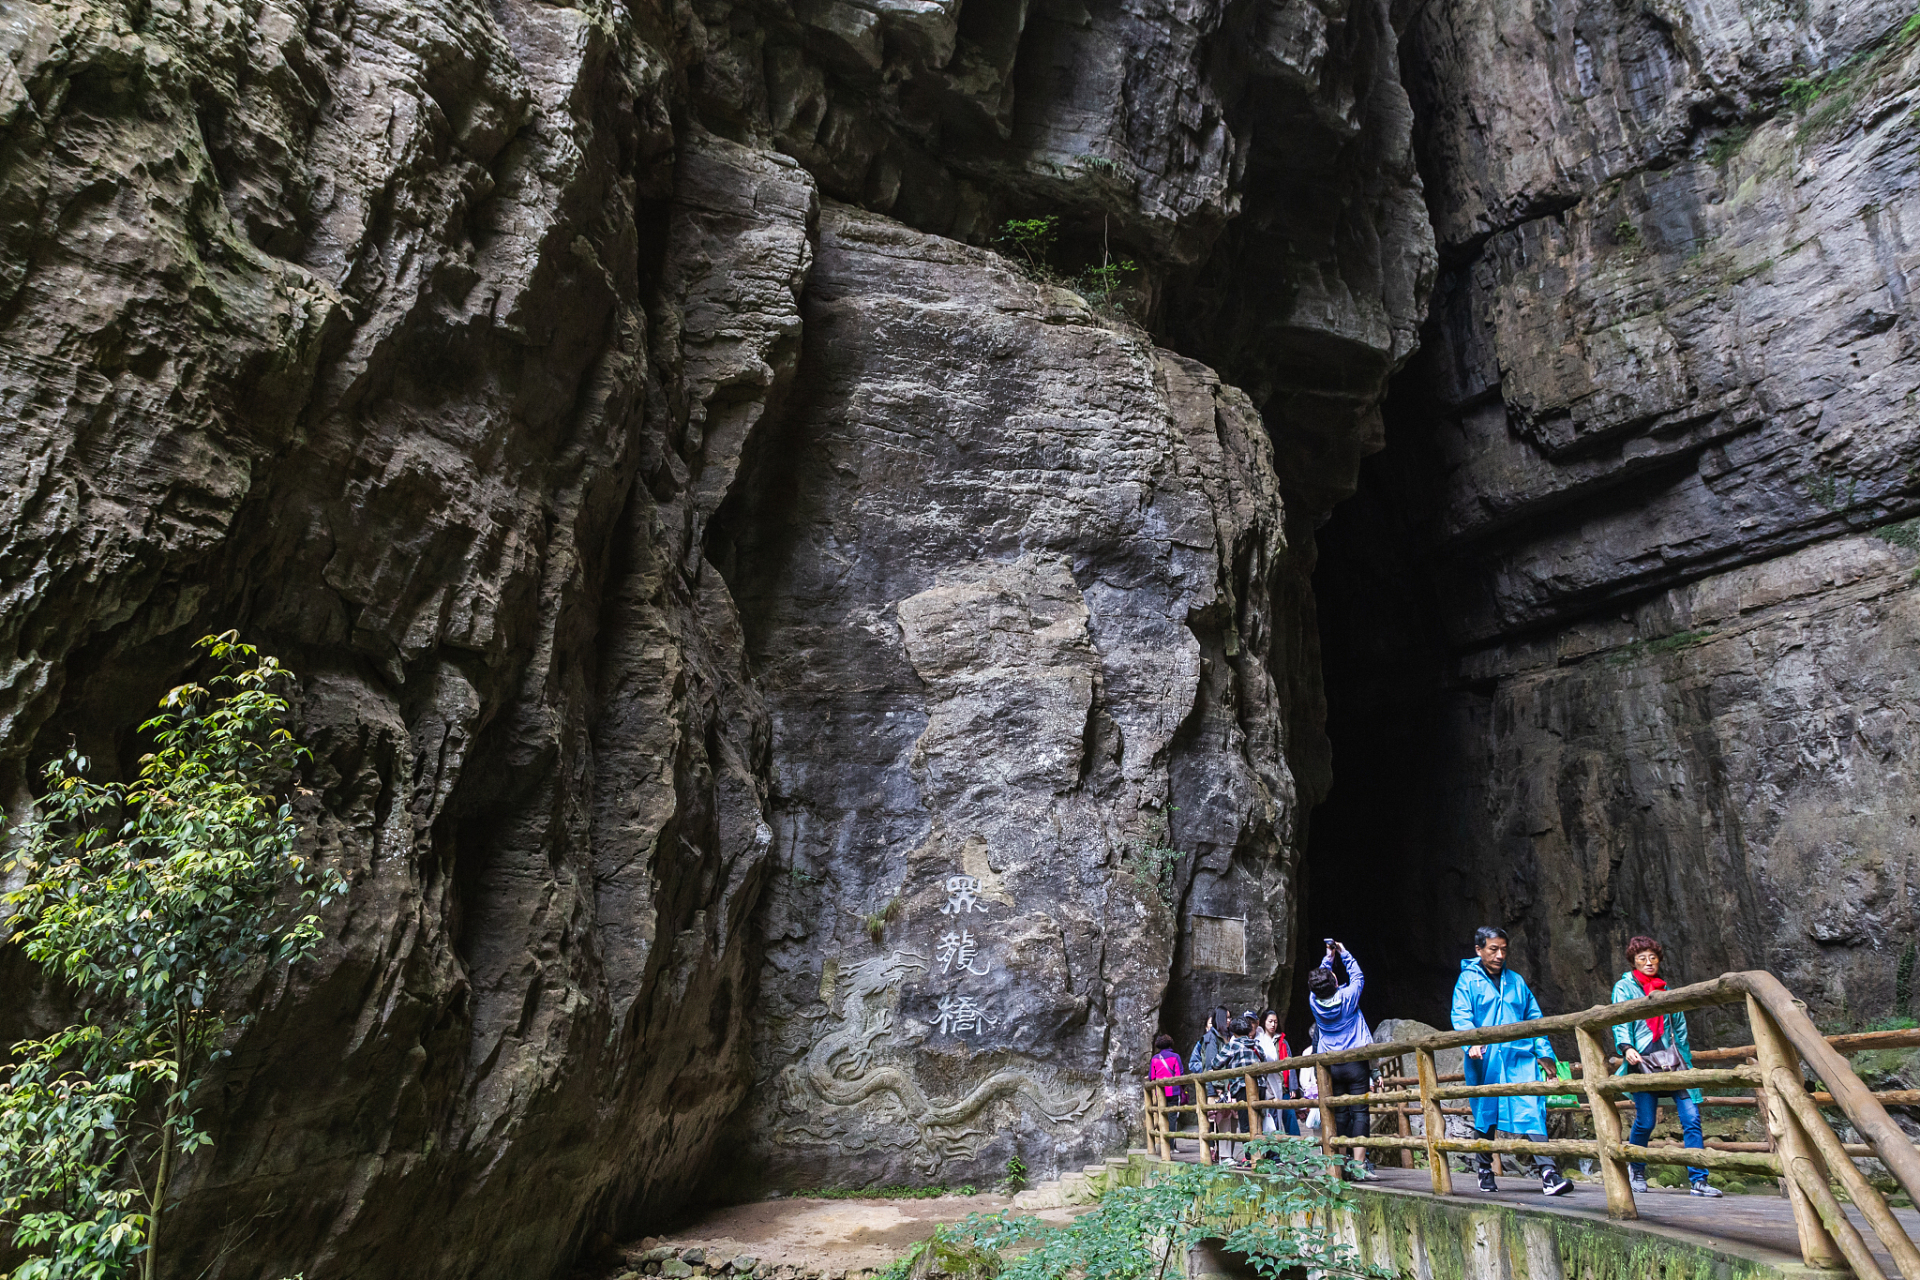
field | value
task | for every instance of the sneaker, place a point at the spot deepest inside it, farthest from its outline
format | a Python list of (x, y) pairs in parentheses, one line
[(1486, 1180), (1552, 1184), (1637, 1183), (1702, 1189)]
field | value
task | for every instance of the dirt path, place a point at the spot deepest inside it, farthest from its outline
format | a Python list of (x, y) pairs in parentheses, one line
[(790, 1239)]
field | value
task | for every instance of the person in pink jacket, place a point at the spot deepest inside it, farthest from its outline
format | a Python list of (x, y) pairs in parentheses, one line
[(1166, 1063)]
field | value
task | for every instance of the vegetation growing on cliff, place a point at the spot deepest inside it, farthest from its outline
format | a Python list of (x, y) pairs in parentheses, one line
[(1029, 242), (157, 900), (1278, 1219), (1152, 860), (1825, 98)]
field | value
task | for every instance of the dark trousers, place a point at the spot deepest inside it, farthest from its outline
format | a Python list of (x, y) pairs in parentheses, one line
[(1349, 1078), (1542, 1165)]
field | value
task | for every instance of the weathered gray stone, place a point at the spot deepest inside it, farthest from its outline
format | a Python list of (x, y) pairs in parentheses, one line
[(1000, 555), (1611, 656), (457, 354)]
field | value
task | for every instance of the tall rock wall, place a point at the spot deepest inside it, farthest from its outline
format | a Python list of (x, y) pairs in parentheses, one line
[(693, 541), (1626, 607), (1008, 579)]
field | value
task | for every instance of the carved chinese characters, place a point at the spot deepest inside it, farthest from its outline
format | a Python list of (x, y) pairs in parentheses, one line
[(958, 954)]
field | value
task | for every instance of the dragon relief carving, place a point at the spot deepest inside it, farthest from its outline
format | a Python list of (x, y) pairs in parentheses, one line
[(852, 1089)]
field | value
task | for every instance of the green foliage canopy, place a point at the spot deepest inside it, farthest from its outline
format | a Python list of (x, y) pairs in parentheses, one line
[(156, 898)]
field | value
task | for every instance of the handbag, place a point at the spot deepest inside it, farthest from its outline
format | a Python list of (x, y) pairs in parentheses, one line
[(1661, 1058)]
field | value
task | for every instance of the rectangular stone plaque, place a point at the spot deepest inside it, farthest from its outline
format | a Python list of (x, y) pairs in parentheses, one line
[(1219, 943)]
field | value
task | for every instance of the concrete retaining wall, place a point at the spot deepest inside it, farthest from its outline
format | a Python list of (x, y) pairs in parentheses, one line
[(1424, 1238)]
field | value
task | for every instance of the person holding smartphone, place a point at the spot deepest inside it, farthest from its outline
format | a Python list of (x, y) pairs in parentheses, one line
[(1337, 1024)]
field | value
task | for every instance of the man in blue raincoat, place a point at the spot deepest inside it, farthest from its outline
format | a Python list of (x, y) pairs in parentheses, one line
[(1488, 994)]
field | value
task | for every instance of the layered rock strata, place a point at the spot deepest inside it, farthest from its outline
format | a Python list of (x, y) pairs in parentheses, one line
[(1008, 573), (1608, 615), (690, 547)]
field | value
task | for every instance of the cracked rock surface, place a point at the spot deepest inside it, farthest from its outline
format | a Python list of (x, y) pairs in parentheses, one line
[(1604, 608), (693, 539)]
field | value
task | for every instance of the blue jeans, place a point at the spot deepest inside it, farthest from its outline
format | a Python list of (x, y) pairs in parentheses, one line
[(1646, 1109)]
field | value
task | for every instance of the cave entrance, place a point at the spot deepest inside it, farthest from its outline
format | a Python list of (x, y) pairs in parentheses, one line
[(1377, 874)]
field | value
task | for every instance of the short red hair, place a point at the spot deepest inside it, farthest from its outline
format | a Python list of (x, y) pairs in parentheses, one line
[(1636, 945)]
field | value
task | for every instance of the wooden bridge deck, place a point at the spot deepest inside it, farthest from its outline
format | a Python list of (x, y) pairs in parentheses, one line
[(1755, 1225)]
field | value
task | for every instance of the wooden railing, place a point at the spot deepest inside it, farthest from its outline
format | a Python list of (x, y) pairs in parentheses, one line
[(1802, 1148)]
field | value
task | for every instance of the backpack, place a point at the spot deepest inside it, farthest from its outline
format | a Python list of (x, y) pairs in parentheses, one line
[(1206, 1051)]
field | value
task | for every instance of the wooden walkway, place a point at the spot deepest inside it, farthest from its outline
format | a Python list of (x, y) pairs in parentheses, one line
[(1756, 1224)]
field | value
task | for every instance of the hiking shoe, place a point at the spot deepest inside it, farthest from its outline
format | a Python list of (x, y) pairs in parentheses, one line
[(1486, 1180), (1702, 1189), (1552, 1184), (1637, 1183)]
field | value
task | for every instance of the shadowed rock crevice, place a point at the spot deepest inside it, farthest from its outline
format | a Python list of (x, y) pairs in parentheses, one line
[(1611, 624), (697, 551)]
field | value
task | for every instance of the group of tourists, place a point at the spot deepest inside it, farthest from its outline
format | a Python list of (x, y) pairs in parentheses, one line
[(1486, 994)]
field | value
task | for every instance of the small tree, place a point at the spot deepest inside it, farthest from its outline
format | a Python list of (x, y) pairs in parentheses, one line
[(1032, 239), (153, 897)]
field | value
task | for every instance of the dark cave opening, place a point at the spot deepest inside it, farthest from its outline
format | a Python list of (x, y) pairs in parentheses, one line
[(1376, 873)]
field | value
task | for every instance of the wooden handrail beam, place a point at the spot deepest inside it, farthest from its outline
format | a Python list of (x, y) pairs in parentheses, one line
[(1787, 1087), (1805, 1148)]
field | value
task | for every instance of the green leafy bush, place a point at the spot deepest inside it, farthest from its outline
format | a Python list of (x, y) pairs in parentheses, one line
[(1905, 534), (876, 922), (884, 1193), (1032, 239), (1151, 859), (1728, 144), (152, 896), (1831, 489), (1099, 284), (1278, 1218)]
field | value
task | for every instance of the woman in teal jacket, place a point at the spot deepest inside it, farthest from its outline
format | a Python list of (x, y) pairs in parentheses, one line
[(1633, 1039)]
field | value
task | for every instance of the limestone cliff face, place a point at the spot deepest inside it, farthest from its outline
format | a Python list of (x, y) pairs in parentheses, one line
[(1009, 575), (1610, 613), (692, 542)]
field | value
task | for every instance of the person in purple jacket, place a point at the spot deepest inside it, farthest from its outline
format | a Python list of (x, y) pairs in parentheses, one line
[(1338, 1025)]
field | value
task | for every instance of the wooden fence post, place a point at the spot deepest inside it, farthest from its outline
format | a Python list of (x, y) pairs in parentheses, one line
[(1767, 1126), (1323, 1077), (1434, 1123), (1253, 1114), (1200, 1121), (1606, 1125), (1817, 1248)]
